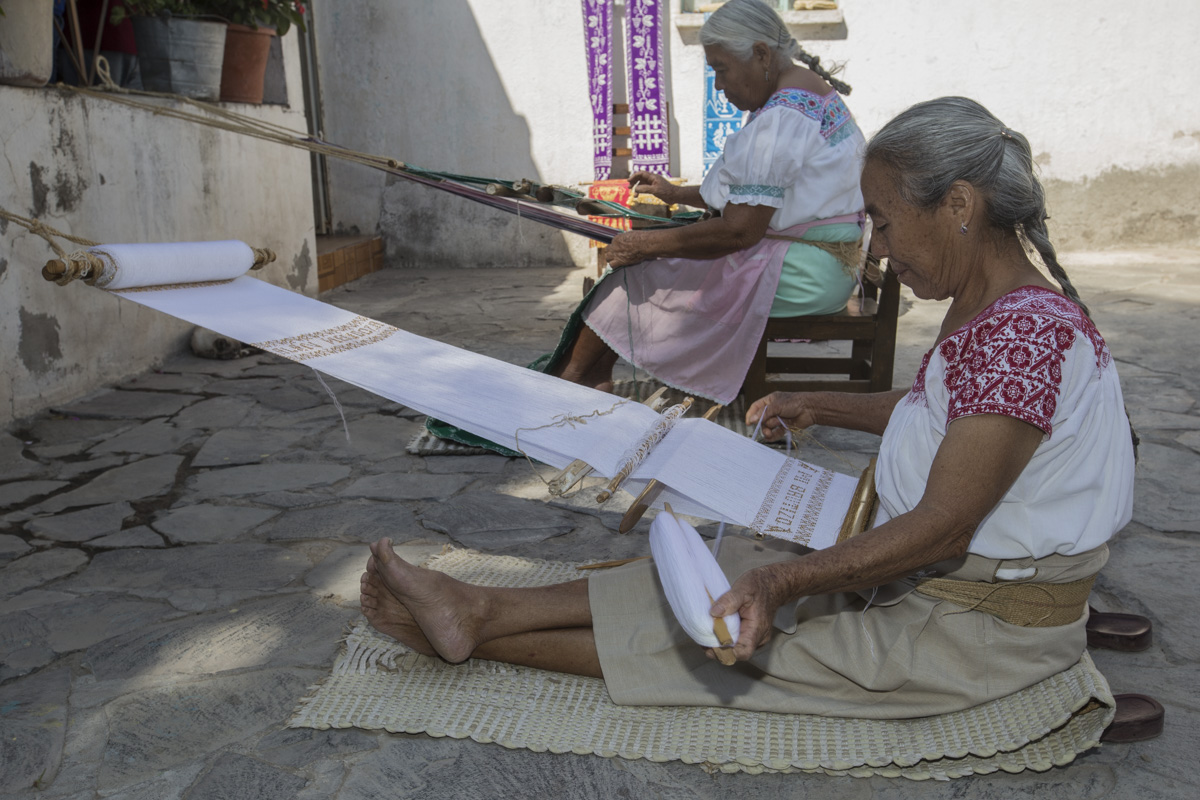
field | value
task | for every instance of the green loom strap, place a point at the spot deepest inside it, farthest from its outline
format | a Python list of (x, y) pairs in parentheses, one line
[(569, 201)]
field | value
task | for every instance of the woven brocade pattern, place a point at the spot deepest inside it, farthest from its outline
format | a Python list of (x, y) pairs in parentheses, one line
[(378, 684)]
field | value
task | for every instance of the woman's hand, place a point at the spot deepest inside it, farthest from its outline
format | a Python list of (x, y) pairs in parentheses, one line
[(628, 248), (654, 184), (755, 596), (780, 411)]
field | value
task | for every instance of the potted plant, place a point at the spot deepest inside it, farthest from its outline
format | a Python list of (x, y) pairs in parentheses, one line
[(181, 44), (252, 24)]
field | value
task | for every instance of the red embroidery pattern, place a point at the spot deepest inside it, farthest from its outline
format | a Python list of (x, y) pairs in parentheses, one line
[(1008, 360), (916, 395)]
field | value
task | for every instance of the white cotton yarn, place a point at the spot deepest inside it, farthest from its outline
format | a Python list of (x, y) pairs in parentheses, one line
[(691, 578), (129, 266)]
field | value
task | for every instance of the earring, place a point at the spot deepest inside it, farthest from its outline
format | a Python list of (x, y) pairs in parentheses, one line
[(767, 75), (963, 229)]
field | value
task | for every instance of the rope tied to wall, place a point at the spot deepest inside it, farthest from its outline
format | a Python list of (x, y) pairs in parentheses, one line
[(48, 233), (554, 206)]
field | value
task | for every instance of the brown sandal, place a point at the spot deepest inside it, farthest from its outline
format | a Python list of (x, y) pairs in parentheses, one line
[(1138, 718), (1112, 631)]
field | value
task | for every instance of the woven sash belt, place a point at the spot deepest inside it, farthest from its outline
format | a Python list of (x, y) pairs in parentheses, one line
[(1030, 605), (847, 253)]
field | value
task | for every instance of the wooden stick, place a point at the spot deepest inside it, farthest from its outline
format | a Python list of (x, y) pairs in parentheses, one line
[(607, 564), (630, 466), (724, 653), (92, 68), (858, 515), (593, 208), (262, 257), (74, 59), (579, 469), (73, 13), (83, 265), (653, 489), (500, 190)]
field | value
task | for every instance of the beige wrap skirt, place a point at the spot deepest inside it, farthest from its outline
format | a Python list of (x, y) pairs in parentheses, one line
[(890, 653)]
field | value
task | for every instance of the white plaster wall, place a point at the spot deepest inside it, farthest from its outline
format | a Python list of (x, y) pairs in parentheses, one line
[(109, 173), (470, 86), (1095, 84), (499, 88)]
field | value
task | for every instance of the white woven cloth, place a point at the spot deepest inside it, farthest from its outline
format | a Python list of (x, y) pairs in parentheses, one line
[(378, 684), (710, 472)]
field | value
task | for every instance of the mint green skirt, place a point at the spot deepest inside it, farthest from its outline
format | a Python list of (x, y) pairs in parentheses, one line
[(812, 280)]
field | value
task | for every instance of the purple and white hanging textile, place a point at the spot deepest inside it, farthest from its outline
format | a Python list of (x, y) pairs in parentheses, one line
[(597, 31), (647, 94)]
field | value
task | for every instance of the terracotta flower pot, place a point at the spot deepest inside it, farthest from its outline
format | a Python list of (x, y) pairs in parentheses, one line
[(245, 65)]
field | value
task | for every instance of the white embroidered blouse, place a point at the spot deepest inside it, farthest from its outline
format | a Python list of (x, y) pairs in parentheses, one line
[(801, 153), (1032, 355)]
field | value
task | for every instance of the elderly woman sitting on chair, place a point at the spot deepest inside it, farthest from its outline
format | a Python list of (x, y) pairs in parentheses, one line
[(1002, 473), (786, 241)]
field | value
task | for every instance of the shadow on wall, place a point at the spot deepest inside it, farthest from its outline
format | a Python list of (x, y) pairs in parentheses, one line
[(1126, 208), (445, 107)]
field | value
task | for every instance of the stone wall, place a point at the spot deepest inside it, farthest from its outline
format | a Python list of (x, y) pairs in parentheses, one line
[(1103, 89), (109, 173)]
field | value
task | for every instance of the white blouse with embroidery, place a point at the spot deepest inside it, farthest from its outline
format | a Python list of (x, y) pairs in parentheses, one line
[(1032, 355), (801, 153)]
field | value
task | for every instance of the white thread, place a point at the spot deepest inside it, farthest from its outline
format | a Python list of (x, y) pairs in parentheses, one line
[(862, 620), (336, 404), (720, 534), (633, 456), (520, 232), (559, 421)]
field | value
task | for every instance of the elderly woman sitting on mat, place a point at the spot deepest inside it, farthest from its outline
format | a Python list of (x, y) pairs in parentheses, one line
[(1002, 473), (786, 241)]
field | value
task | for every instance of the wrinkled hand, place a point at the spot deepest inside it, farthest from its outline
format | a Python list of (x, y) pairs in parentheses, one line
[(653, 184), (779, 411), (626, 249), (755, 596)]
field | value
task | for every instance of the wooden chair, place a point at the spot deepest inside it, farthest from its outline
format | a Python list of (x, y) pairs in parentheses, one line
[(869, 323)]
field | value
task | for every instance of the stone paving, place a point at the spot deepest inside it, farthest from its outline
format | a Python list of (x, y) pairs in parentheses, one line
[(179, 555)]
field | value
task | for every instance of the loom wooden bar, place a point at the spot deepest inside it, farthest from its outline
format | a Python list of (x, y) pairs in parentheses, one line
[(653, 489), (831, 327), (579, 469), (786, 365), (858, 514)]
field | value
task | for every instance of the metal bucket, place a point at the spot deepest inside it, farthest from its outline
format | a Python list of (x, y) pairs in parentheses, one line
[(182, 56)]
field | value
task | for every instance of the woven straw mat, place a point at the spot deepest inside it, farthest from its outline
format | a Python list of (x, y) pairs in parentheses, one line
[(378, 684)]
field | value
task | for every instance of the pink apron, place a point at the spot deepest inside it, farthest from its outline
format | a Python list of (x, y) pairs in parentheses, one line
[(695, 325)]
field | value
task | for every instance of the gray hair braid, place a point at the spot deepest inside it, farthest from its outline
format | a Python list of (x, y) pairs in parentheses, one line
[(738, 24), (937, 142)]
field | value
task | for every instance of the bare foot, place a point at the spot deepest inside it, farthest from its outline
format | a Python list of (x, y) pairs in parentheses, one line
[(388, 615), (444, 609)]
